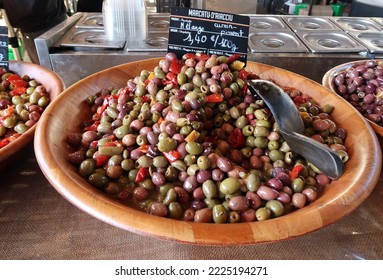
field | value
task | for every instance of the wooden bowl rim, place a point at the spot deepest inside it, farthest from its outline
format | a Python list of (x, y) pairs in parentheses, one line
[(348, 192)]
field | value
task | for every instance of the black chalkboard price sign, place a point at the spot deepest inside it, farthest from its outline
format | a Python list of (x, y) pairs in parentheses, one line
[(4, 47), (210, 32)]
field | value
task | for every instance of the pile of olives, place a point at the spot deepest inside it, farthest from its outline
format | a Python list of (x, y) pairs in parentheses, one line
[(22, 100), (362, 86), (187, 141)]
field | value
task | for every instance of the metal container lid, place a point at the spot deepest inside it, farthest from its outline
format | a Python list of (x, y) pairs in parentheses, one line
[(155, 42), (88, 38), (373, 41), (91, 20), (330, 42), (156, 22), (275, 41), (379, 21), (355, 24), (266, 23), (310, 23)]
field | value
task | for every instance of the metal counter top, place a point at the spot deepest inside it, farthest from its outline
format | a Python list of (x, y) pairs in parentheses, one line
[(74, 63)]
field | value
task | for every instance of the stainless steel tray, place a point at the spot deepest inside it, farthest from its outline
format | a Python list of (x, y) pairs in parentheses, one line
[(155, 42), (91, 21), (379, 21), (327, 42), (266, 23), (89, 38), (156, 22), (356, 24), (372, 40), (272, 41), (308, 23)]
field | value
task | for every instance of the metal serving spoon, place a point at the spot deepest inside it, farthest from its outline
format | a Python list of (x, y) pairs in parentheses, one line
[(291, 127)]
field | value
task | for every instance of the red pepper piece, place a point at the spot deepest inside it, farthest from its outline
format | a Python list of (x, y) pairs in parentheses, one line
[(171, 78), (202, 56), (4, 142), (236, 139), (146, 99), (213, 98), (142, 173), (105, 104), (17, 91), (233, 58), (92, 127), (93, 144), (19, 83), (188, 55), (112, 144), (175, 66), (197, 56), (13, 77), (244, 89), (243, 74), (101, 160), (172, 156), (300, 100), (252, 76), (9, 137), (294, 173), (7, 113), (144, 148)]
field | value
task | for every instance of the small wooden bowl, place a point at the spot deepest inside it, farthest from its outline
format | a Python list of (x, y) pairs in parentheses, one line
[(54, 85), (328, 81), (339, 199)]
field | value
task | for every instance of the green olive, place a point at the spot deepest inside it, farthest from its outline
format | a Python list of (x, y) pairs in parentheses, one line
[(262, 213), (248, 130), (219, 213), (194, 148), (177, 106), (43, 101), (203, 162), (190, 159), (229, 185), (253, 182), (241, 122), (261, 142), (21, 127), (160, 162), (209, 189), (87, 167), (171, 196), (182, 78), (98, 180), (175, 210), (167, 144), (276, 207), (10, 121), (275, 155), (179, 165), (127, 164), (261, 131), (297, 185)]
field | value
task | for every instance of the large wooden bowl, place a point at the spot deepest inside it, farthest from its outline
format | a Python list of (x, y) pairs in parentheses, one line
[(328, 81), (337, 200), (54, 86)]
